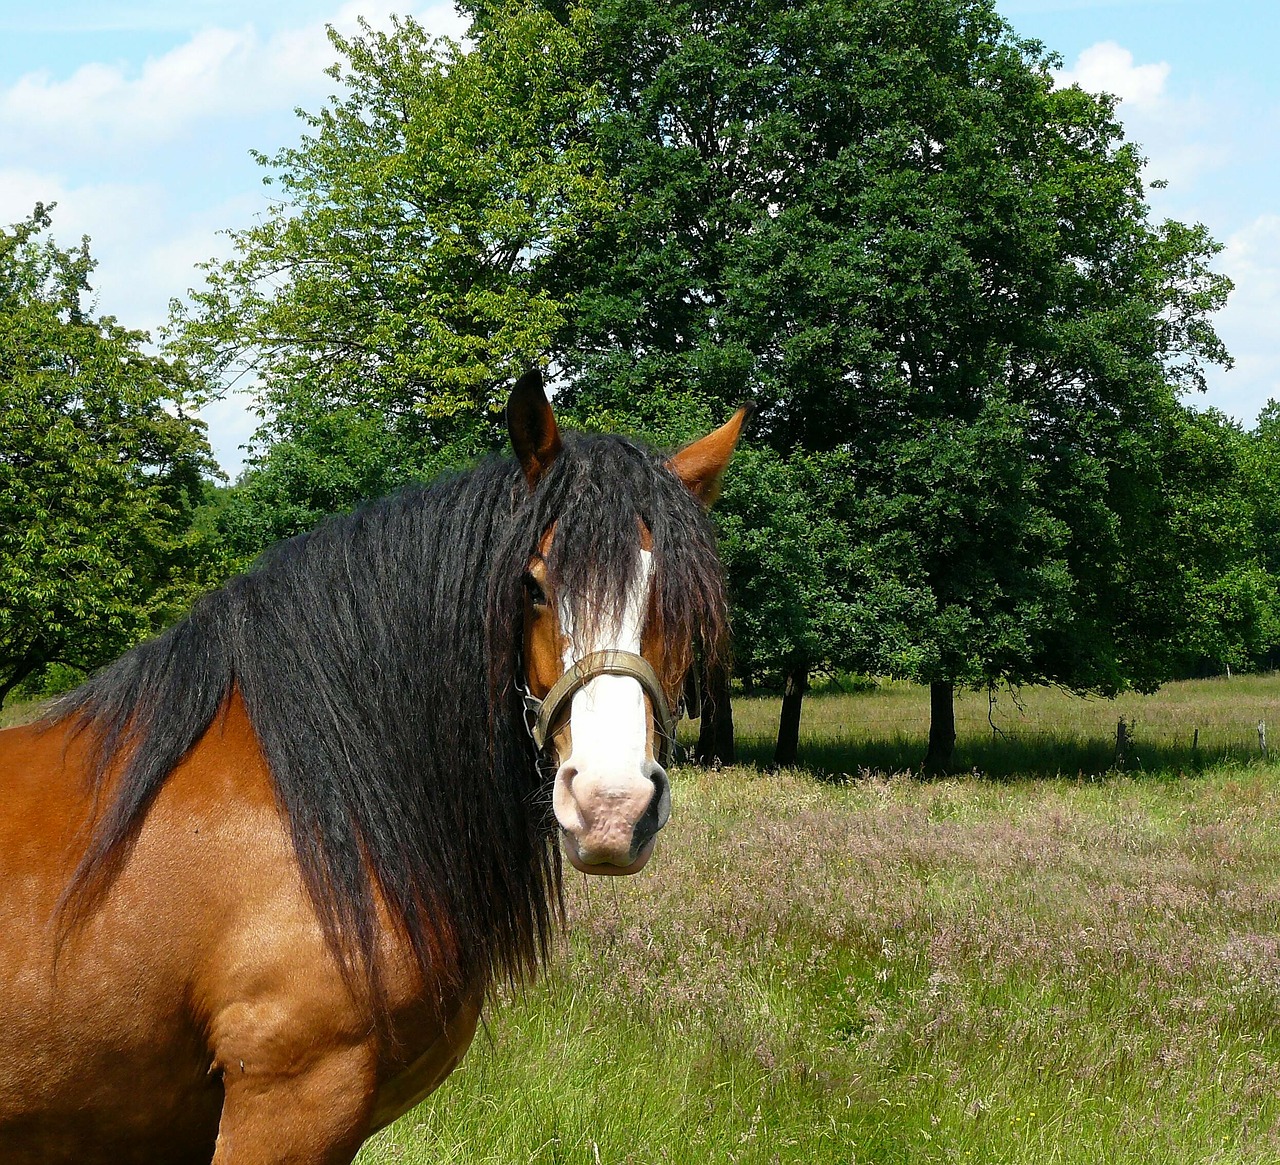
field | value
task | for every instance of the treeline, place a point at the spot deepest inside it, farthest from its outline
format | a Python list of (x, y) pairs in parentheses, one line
[(102, 476), (937, 276)]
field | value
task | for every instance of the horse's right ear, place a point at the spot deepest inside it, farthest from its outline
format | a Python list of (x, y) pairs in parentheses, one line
[(535, 436)]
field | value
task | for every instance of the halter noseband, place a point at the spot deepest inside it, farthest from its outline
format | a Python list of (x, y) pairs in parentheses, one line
[(543, 715)]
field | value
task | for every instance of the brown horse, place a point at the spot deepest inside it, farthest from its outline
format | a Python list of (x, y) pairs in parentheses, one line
[(258, 876)]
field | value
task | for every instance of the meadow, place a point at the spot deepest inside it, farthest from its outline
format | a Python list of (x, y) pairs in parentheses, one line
[(1048, 959)]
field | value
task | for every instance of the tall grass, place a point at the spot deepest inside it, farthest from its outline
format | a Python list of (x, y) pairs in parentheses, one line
[(1071, 969)]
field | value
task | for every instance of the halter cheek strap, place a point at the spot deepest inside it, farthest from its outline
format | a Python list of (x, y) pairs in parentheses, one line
[(545, 714)]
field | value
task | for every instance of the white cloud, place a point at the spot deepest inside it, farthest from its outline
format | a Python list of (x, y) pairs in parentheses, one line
[(1108, 68), (21, 189), (146, 245), (216, 74), (114, 215), (1182, 136), (1252, 258), (1248, 324)]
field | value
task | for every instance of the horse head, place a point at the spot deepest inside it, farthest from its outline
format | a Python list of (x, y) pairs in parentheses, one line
[(603, 671)]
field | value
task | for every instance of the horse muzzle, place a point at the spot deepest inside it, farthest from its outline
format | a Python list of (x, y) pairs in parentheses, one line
[(610, 826), (609, 797)]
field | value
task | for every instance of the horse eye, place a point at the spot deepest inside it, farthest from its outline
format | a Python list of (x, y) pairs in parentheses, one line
[(537, 596)]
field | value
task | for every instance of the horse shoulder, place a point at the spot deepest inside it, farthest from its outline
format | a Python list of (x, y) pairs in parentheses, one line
[(204, 960), (102, 1051), (265, 979), (43, 805), (277, 1005)]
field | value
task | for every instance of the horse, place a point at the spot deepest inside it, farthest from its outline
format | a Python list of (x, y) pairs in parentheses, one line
[(259, 876)]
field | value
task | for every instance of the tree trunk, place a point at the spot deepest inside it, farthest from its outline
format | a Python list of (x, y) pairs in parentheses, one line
[(715, 729), (13, 678), (942, 729), (797, 683)]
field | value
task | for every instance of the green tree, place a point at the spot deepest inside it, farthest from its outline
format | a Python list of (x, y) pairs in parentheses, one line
[(884, 219), (330, 462), (1221, 492), (878, 218), (100, 470), (392, 286), (807, 595), (1262, 472)]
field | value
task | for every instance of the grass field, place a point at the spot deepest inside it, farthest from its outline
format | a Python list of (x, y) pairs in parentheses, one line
[(1037, 732), (1082, 967)]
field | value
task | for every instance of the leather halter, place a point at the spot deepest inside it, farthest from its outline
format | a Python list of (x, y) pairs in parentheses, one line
[(543, 715)]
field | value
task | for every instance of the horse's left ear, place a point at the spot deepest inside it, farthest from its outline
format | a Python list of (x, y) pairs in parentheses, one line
[(535, 436), (701, 465)]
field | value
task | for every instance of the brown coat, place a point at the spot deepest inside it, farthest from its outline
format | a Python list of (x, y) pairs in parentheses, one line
[(197, 1013)]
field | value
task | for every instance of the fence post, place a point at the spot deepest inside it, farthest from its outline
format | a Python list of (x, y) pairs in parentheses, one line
[(1262, 738), (1122, 742)]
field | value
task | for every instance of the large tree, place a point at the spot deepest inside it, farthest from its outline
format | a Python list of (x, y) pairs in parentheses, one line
[(807, 594), (884, 219), (879, 218), (100, 470), (391, 287)]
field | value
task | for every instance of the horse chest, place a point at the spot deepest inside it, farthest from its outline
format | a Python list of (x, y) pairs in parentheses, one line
[(412, 1083)]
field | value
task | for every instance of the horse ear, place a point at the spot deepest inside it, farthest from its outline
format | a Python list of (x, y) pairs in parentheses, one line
[(535, 436), (701, 465)]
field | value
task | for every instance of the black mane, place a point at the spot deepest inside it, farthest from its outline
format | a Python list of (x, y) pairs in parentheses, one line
[(376, 657)]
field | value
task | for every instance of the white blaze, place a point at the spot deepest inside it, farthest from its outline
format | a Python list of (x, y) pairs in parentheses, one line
[(607, 714), (600, 782)]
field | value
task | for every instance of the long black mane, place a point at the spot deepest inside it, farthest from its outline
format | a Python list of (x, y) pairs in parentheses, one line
[(376, 657)]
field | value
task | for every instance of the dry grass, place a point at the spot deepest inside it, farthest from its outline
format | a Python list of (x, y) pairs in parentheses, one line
[(17, 712)]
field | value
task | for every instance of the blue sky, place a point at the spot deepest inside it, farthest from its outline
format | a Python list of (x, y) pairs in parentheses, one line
[(137, 118)]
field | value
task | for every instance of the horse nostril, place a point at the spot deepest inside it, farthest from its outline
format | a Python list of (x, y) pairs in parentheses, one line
[(658, 812), (661, 795)]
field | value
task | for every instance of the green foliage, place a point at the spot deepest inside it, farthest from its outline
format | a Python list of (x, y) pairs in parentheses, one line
[(100, 470), (934, 271), (884, 222), (1222, 484), (331, 464), (807, 594), (393, 281), (384, 303), (1261, 474)]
